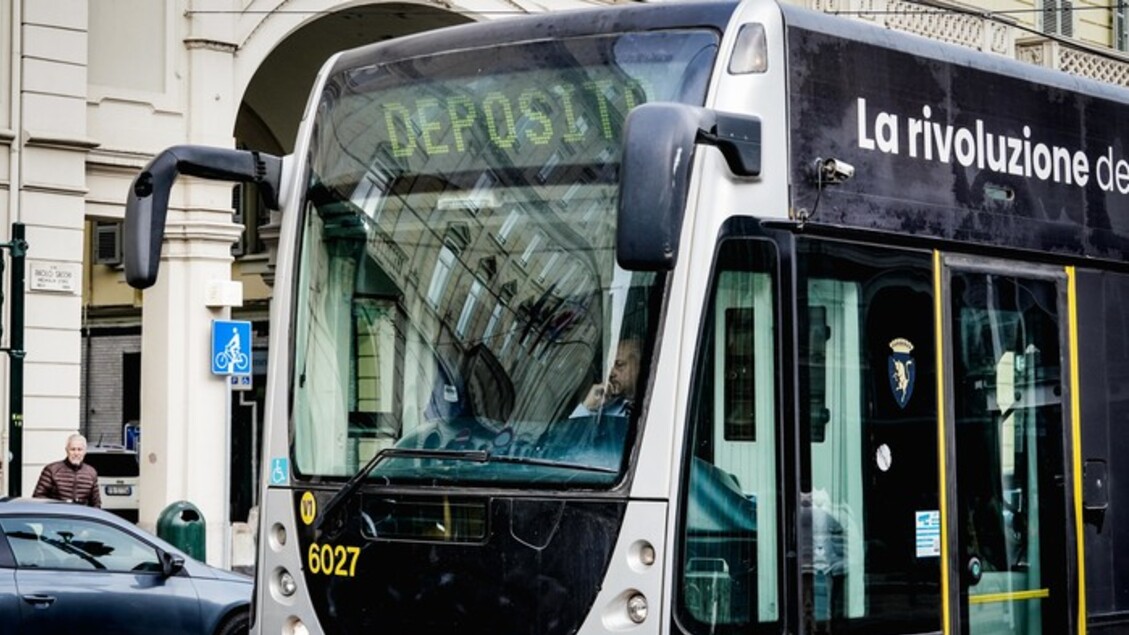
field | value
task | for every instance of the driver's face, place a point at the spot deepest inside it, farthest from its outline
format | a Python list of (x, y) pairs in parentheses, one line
[(625, 370)]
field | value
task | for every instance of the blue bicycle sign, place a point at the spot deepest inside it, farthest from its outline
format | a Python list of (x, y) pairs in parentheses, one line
[(231, 347)]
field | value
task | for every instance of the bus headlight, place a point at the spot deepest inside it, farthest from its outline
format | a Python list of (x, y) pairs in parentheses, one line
[(286, 584), (637, 608)]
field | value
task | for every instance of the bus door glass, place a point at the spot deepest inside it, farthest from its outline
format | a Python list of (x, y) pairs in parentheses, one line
[(730, 554), (1008, 372), (869, 496)]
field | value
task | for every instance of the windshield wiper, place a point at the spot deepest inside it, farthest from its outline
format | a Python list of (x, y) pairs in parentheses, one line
[(478, 456)]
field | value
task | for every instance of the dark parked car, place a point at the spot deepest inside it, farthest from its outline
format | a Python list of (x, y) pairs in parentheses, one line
[(67, 568)]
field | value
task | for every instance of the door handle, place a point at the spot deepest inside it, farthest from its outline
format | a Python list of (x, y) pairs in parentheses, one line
[(39, 601)]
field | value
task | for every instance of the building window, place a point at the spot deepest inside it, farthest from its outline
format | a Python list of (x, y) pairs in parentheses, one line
[(507, 226), (509, 337), (1058, 17), (492, 325), (551, 164), (369, 194), (482, 195), (563, 288), (468, 309), (548, 268), (1120, 18), (530, 249), (439, 276)]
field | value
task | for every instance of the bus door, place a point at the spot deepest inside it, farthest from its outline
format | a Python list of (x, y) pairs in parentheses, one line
[(1008, 359), (869, 476)]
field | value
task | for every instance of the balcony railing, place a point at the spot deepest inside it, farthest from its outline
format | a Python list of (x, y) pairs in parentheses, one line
[(961, 24)]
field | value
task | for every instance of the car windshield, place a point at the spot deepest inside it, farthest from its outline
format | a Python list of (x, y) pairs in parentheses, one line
[(457, 286)]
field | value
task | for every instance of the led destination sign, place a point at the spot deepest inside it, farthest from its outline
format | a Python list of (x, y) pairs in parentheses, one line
[(508, 119), (519, 106)]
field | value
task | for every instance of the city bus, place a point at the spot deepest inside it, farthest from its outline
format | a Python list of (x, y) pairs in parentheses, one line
[(692, 318)]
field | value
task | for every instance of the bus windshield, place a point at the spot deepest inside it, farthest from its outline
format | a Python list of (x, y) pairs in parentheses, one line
[(459, 306)]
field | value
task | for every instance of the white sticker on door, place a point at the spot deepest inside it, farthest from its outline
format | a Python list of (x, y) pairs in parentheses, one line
[(928, 533)]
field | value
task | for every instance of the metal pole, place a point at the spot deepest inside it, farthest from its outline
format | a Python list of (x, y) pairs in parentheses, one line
[(16, 353)]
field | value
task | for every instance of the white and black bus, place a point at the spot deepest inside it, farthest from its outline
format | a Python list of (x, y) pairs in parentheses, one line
[(691, 318)]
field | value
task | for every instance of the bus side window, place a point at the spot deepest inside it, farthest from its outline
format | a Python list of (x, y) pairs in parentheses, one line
[(729, 546)]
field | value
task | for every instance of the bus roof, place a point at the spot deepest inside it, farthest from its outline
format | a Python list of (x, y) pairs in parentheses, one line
[(546, 26)]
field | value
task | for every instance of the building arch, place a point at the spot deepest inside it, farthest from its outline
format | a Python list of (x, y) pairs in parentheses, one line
[(282, 52)]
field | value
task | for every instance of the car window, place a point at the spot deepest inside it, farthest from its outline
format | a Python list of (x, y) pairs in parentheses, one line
[(24, 540), (117, 463), (73, 543)]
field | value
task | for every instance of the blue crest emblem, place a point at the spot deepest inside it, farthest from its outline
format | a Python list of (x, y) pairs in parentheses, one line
[(902, 370)]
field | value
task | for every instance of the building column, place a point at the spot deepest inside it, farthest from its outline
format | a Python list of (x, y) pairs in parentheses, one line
[(184, 407)]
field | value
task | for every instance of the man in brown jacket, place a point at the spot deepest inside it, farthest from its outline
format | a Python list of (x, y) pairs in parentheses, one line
[(70, 480)]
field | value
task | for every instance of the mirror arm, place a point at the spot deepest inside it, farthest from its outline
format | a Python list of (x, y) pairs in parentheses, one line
[(148, 200), (739, 140)]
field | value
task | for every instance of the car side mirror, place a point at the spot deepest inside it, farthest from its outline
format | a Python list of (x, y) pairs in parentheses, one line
[(171, 564)]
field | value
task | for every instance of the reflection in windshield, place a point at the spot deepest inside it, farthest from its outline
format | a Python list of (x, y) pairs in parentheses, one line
[(458, 288)]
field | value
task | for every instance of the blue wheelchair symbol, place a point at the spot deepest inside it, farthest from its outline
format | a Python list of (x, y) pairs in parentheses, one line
[(279, 470)]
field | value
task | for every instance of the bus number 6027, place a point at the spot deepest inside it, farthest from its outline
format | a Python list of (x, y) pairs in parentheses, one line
[(333, 560)]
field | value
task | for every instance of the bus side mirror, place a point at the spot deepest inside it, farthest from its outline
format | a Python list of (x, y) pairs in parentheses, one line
[(147, 204), (659, 142)]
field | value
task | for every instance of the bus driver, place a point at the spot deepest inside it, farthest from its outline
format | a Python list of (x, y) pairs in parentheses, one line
[(616, 396)]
